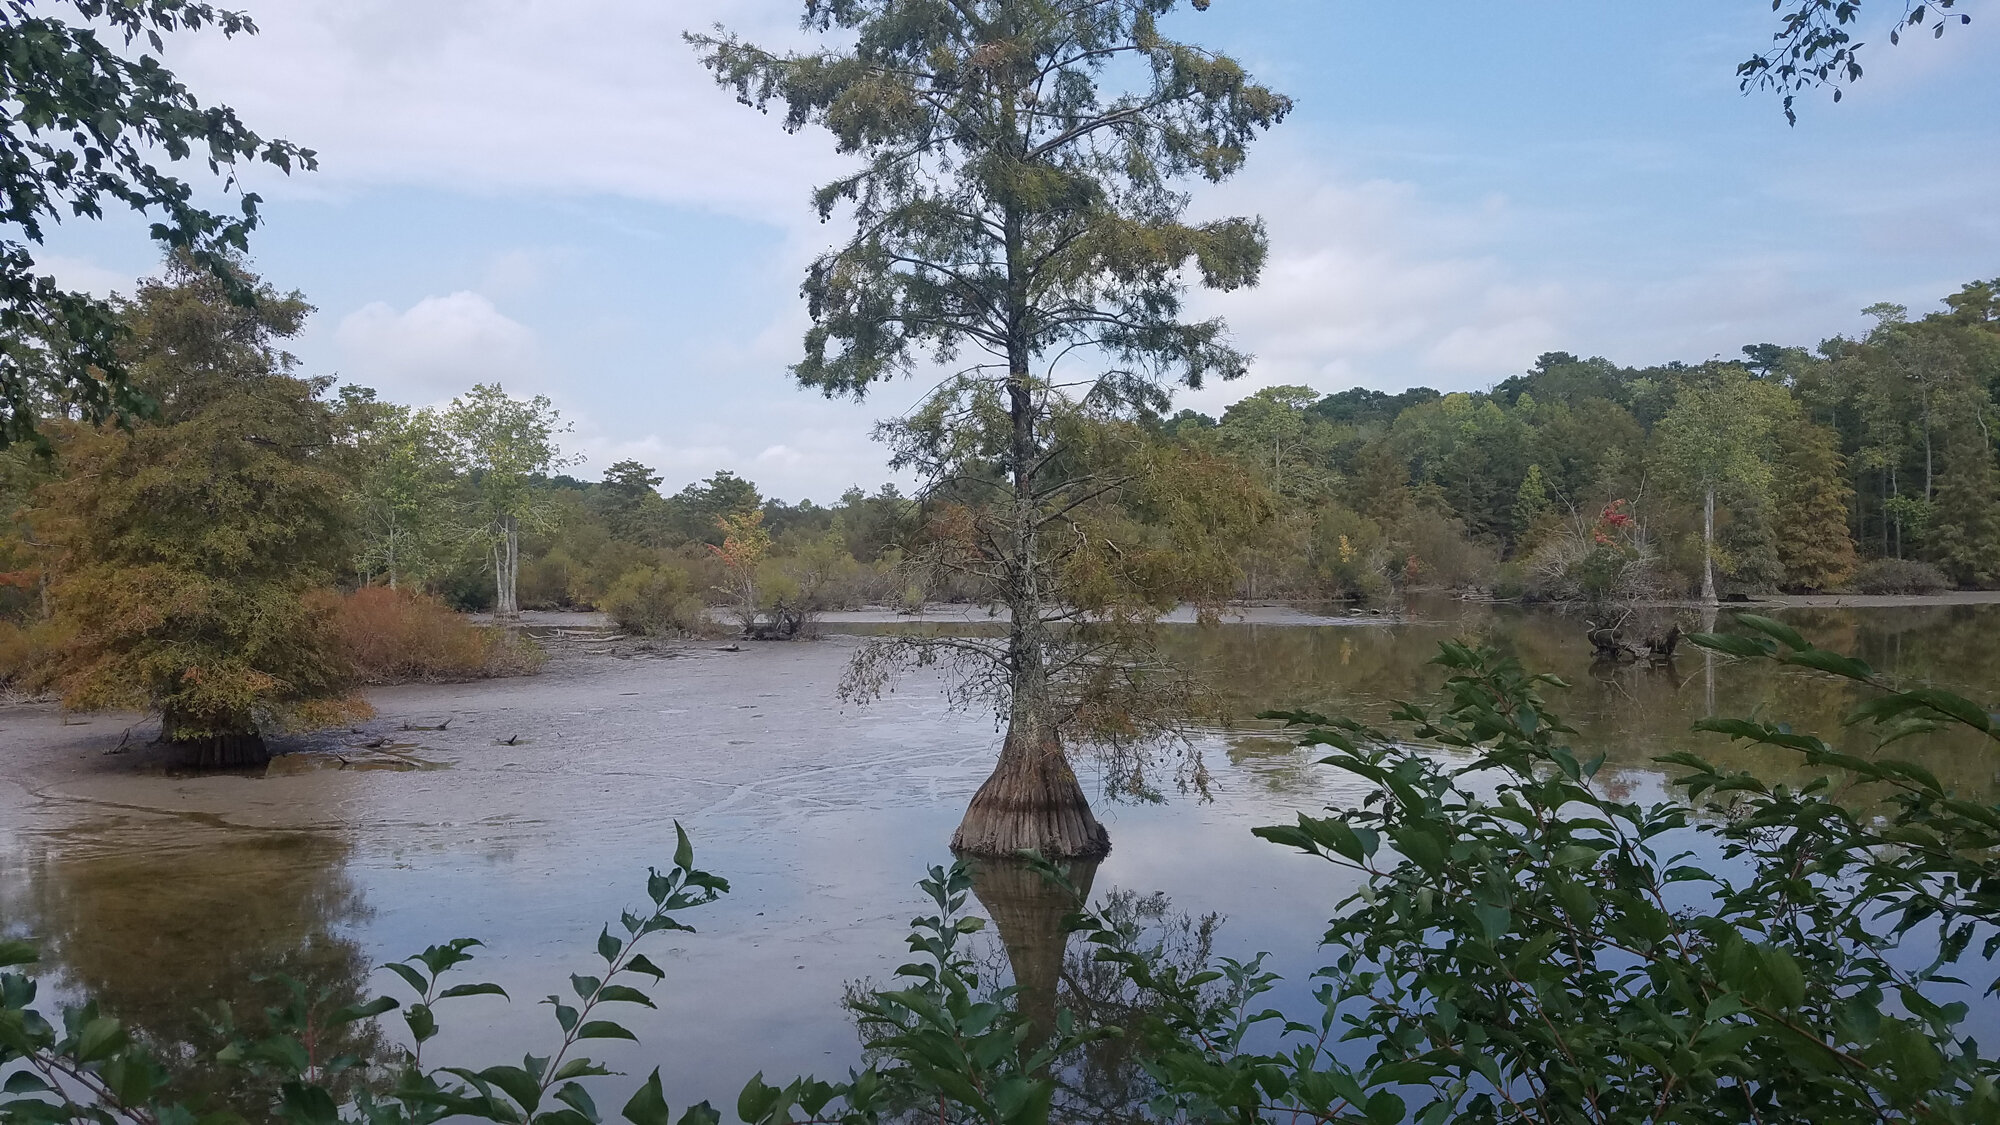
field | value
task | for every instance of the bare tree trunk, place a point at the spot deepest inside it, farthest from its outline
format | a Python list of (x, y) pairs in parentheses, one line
[(1708, 547)]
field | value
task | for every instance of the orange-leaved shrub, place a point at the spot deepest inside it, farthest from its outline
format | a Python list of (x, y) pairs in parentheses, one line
[(396, 636)]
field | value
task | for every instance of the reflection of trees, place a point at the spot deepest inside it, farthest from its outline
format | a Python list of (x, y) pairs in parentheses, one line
[(1632, 713), (162, 937), (1103, 1081)]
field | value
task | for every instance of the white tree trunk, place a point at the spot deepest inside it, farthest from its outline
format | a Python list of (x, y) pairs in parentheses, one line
[(507, 571), (1708, 547)]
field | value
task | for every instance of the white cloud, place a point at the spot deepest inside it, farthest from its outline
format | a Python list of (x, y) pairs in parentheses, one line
[(85, 275), (437, 348), (571, 96)]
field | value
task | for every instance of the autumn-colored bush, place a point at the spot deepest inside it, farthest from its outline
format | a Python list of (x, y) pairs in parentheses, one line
[(395, 636), (24, 656)]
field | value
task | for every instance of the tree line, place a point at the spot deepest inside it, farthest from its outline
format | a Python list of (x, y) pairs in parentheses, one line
[(1863, 462)]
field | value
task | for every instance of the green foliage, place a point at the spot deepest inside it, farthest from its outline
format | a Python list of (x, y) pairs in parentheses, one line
[(189, 545), (506, 447), (653, 601), (1814, 47), (405, 491), (1965, 535), (88, 125)]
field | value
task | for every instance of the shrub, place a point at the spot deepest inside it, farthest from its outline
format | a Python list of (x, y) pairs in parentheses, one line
[(655, 601), (24, 655), (1900, 576), (1437, 552), (395, 636), (1510, 581)]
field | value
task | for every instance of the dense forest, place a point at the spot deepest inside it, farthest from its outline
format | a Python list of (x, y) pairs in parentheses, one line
[(1862, 464)]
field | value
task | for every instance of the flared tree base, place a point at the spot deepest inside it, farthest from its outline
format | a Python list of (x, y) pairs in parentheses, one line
[(223, 751), (1031, 803)]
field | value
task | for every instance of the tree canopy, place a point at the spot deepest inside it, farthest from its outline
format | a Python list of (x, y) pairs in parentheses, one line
[(87, 125)]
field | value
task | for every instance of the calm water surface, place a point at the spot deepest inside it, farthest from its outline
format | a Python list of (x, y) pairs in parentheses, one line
[(550, 797)]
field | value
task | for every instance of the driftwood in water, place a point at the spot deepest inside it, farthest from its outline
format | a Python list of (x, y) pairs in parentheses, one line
[(1609, 645)]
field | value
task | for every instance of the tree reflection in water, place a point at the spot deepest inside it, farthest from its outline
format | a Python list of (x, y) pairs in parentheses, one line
[(166, 937), (1033, 950)]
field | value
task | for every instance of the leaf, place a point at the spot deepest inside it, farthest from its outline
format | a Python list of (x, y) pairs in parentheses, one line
[(410, 976), (1774, 629), (577, 1098), (25, 1082), (18, 953), (422, 1023), (458, 990), (757, 1098), (1954, 706), (100, 1039), (1824, 661), (310, 1104), (1385, 1108), (1782, 974), (516, 1083), (624, 994), (579, 1068), (683, 848), (609, 947), (354, 1013), (640, 963), (649, 1105), (1495, 920), (604, 1029)]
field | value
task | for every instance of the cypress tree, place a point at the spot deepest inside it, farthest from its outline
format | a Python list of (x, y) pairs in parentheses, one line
[(1811, 498), (1965, 536)]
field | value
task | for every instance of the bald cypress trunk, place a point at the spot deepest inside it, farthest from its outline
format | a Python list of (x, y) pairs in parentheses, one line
[(241, 749), (1032, 801)]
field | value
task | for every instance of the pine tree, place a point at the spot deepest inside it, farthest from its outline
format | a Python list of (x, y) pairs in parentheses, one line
[(1811, 498)]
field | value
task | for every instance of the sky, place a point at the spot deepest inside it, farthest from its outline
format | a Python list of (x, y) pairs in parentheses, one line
[(552, 195)]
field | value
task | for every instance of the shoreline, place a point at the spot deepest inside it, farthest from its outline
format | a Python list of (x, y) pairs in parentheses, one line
[(1302, 614)]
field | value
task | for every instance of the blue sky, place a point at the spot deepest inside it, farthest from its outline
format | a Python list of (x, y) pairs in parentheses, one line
[(549, 193)]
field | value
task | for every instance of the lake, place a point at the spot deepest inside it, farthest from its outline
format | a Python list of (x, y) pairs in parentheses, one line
[(530, 819)]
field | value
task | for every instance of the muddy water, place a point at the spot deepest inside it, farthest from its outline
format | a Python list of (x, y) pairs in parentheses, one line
[(530, 818)]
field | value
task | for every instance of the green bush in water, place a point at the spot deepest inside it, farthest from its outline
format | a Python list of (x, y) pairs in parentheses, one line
[(1525, 946), (654, 601)]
